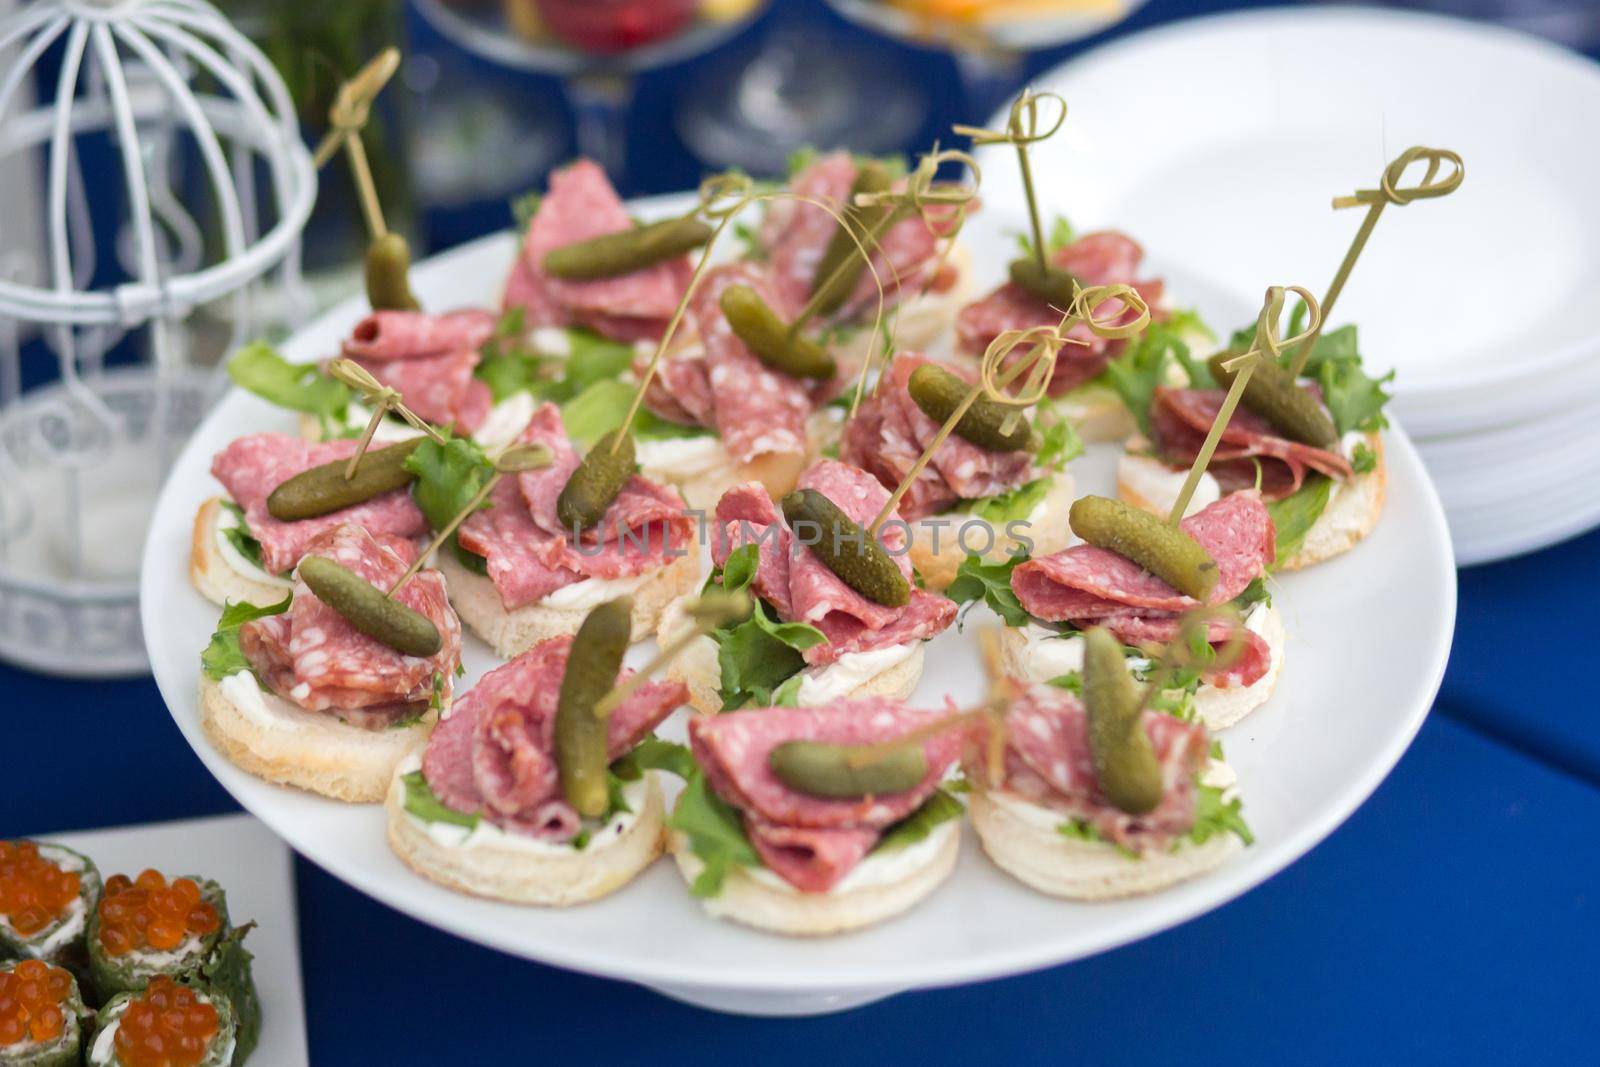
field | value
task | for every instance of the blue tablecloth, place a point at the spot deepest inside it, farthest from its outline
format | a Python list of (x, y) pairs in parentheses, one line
[(1452, 919)]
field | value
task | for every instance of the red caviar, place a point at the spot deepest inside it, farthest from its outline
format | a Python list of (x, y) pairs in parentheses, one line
[(148, 913), (34, 891), (166, 1026), (31, 995)]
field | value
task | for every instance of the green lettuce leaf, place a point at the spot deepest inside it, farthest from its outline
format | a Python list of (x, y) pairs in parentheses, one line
[(297, 386), (654, 754), (1364, 460), (938, 808), (448, 477), (714, 833), (1059, 237), (1213, 816), (787, 695), (238, 536), (1059, 444), (222, 656), (757, 656), (592, 359), (1082, 830), (1294, 515), (1146, 363), (509, 366), (524, 208), (1254, 593), (424, 804), (1354, 399), (1013, 505), (991, 583), (602, 406)]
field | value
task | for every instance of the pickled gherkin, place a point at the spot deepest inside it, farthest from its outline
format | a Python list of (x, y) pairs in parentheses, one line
[(1053, 285), (615, 254), (324, 490), (824, 770), (365, 607), (597, 482), (769, 337), (1273, 394), (389, 275), (593, 664), (1159, 547), (1125, 763), (939, 393), (847, 550), (831, 286)]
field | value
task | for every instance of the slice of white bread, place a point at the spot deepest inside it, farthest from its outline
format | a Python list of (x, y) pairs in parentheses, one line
[(217, 579), (1024, 654), (502, 866), (702, 470), (309, 750), (760, 899), (1351, 514), (1096, 412), (1020, 837), (697, 667), (511, 633), (939, 545), (1354, 507)]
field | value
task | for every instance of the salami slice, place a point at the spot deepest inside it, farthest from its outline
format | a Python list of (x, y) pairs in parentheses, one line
[(251, 467), (582, 205), (813, 842), (759, 411), (1253, 661), (733, 749), (747, 515), (313, 657), (494, 754), (680, 391), (889, 431), (800, 587), (1095, 259), (1048, 762), (386, 336), (1180, 419), (530, 556), (440, 389), (1085, 582), (796, 234), (811, 860)]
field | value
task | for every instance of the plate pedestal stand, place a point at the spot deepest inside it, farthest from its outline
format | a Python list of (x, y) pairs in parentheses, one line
[(756, 1002)]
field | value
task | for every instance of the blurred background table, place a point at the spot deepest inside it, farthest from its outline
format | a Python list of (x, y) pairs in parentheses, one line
[(1452, 919)]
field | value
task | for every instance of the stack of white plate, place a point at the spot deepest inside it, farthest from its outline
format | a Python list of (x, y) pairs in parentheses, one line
[(1219, 144)]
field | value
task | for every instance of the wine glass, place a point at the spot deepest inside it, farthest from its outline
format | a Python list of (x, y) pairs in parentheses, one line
[(804, 86), (989, 39), (598, 47)]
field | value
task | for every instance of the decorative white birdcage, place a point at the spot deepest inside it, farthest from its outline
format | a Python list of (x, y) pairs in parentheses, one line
[(205, 184)]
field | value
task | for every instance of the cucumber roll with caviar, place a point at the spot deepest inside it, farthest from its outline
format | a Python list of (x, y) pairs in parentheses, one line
[(148, 927), (41, 1016), (47, 896), (168, 1024)]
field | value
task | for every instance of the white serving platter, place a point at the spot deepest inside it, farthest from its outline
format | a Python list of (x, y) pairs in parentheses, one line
[(1368, 637), (257, 871)]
